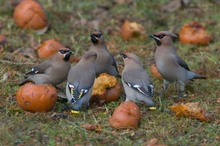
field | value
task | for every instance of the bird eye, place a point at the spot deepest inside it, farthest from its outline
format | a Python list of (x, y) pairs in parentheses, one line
[(61, 51)]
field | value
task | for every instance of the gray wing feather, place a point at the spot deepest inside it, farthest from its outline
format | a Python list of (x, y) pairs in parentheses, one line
[(140, 82), (182, 63), (39, 69)]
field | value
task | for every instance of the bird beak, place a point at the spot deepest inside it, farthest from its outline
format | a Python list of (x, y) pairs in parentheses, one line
[(71, 52), (156, 39), (123, 55), (93, 36)]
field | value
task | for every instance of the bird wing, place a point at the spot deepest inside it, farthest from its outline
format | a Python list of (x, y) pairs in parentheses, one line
[(39, 69), (114, 63), (182, 63), (139, 82), (76, 92)]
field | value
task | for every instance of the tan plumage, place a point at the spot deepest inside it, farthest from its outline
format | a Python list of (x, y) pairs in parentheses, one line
[(52, 71), (136, 82), (80, 81), (105, 62), (169, 64)]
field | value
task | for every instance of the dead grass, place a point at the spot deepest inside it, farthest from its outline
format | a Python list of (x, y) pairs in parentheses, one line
[(71, 23)]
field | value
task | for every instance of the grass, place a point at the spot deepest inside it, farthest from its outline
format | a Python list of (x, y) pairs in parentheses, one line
[(71, 23)]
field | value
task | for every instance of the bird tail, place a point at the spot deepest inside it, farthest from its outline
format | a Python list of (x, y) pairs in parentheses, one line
[(192, 75), (24, 82), (200, 77)]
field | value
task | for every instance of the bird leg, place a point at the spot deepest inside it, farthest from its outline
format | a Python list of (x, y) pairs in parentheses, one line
[(87, 106), (165, 87), (181, 89)]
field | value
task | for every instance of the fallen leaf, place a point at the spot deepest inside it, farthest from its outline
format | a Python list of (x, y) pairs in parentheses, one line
[(59, 115), (78, 145), (153, 142), (3, 39), (218, 100), (190, 109), (91, 127), (26, 52), (123, 1), (172, 6)]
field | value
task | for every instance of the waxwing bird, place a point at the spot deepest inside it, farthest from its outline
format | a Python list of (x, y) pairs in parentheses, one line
[(52, 71), (169, 64), (136, 82), (105, 62), (80, 81)]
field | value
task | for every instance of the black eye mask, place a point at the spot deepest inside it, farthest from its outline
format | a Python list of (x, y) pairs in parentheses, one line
[(98, 35), (160, 36), (63, 51)]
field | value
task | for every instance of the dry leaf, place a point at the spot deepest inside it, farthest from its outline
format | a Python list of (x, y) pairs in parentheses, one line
[(153, 142), (190, 109), (132, 29), (218, 100), (3, 39), (26, 52), (92, 127), (172, 6), (78, 145), (123, 1)]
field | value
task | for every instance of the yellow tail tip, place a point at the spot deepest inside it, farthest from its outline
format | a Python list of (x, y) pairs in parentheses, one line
[(152, 108), (74, 112)]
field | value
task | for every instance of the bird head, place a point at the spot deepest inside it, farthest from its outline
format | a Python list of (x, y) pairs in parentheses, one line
[(163, 37), (97, 37), (65, 53), (131, 56), (123, 55)]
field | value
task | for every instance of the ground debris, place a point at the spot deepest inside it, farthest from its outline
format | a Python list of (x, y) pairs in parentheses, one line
[(190, 109), (153, 142), (92, 127)]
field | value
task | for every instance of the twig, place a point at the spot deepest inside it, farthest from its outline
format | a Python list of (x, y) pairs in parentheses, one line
[(15, 63)]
